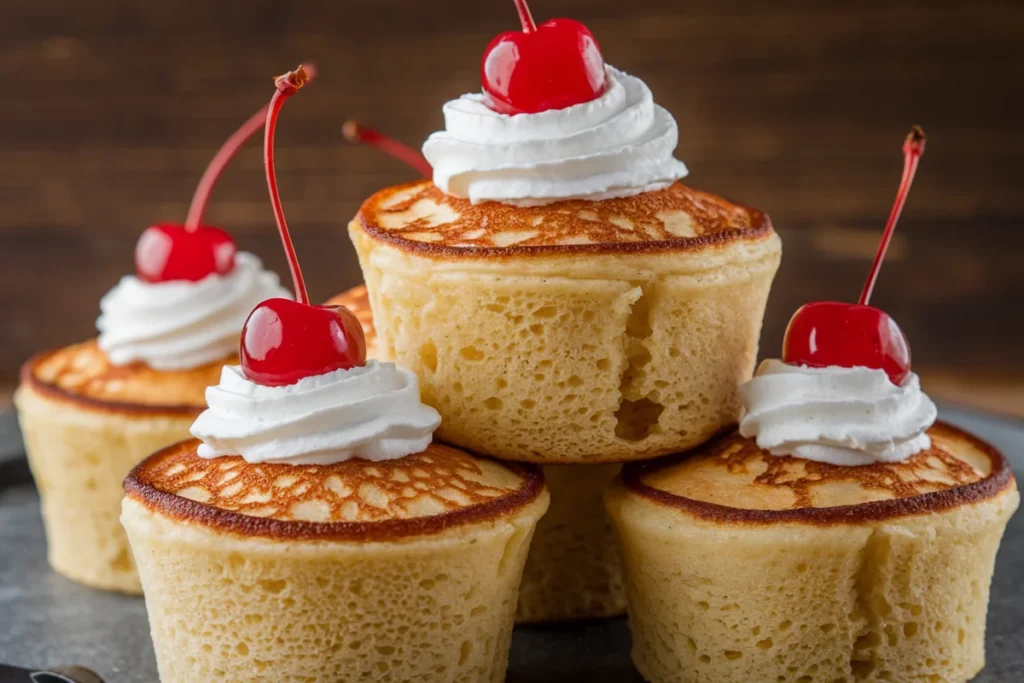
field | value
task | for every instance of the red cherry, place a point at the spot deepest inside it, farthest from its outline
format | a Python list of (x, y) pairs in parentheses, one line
[(284, 341), (827, 333), (551, 66), (192, 251), (168, 252)]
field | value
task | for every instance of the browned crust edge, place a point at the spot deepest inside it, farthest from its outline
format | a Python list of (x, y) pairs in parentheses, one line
[(998, 480), (761, 230), (139, 488), (29, 380)]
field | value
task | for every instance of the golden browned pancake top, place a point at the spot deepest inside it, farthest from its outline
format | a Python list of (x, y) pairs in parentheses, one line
[(420, 217), (356, 499), (732, 479), (83, 374), (357, 301)]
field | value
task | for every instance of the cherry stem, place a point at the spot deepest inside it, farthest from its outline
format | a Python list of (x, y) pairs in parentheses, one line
[(525, 18), (358, 133), (913, 148), (217, 165), (287, 85)]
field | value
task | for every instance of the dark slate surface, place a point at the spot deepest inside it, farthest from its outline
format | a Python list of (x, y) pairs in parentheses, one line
[(46, 620)]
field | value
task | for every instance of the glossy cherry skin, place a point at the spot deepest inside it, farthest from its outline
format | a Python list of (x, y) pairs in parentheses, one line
[(168, 252), (284, 341), (824, 333), (554, 67)]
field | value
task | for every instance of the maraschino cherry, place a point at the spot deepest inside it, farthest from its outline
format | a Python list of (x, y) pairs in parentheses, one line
[(824, 333), (284, 341), (167, 252), (551, 66)]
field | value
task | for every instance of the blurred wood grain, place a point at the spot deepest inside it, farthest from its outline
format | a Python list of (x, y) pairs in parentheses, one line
[(112, 109)]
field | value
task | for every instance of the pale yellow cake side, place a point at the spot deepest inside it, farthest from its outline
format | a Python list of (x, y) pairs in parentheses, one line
[(903, 599), (79, 457), (437, 607), (574, 358), (574, 570)]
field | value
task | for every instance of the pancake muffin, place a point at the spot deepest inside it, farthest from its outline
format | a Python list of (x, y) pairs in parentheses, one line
[(577, 331), (315, 532), (398, 570), (574, 569), (745, 566), (86, 423), (91, 411)]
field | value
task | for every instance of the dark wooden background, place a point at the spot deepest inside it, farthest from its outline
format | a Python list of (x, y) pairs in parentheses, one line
[(110, 111)]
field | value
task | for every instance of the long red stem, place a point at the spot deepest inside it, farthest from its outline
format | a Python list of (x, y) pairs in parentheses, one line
[(913, 148), (525, 17), (287, 85), (217, 165), (357, 132)]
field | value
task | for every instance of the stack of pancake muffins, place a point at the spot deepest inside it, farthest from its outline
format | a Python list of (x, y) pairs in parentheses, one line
[(566, 301), (576, 335), (541, 406)]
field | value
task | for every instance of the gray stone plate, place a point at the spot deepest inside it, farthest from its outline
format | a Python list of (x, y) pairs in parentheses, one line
[(46, 620)]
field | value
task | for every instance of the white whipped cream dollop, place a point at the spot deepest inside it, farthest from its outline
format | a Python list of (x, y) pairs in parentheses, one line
[(372, 412), (842, 416), (617, 145), (181, 325)]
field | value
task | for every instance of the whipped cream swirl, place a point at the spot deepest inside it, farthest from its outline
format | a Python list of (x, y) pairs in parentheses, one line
[(372, 412), (617, 145), (181, 325), (842, 416)]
